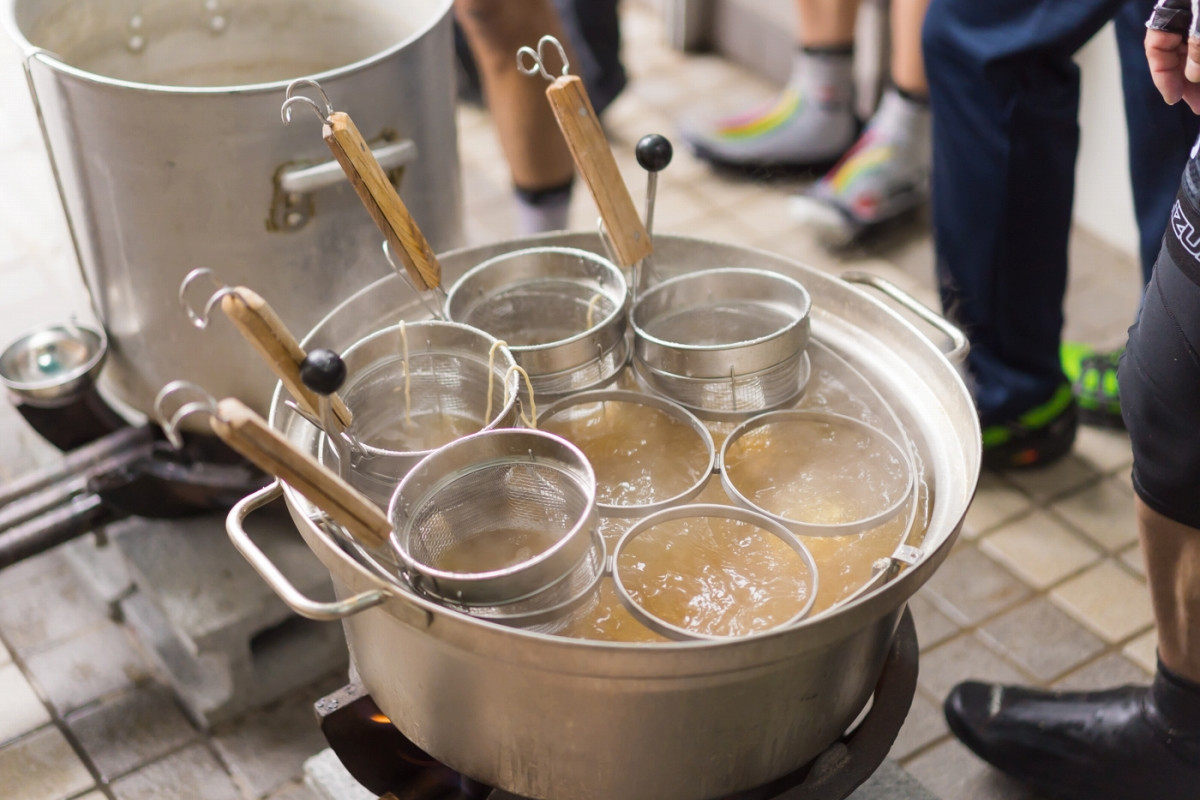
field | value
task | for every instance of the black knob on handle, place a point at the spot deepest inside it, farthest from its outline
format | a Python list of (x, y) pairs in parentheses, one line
[(323, 371), (654, 152)]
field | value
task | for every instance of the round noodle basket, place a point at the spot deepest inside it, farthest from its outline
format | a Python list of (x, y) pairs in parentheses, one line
[(414, 387), (626, 471), (561, 311), (723, 342), (496, 518), (727, 560), (818, 473)]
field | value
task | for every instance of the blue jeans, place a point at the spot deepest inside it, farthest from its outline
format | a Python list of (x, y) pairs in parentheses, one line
[(1005, 98)]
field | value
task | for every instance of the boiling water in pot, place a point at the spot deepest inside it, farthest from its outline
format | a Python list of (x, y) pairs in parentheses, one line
[(715, 576), (222, 42), (640, 454), (818, 473)]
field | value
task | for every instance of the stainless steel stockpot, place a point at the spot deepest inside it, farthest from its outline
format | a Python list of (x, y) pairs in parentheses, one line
[(562, 719), (162, 122)]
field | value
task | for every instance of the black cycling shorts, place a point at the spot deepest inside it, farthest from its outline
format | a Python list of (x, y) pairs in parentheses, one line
[(1159, 377)]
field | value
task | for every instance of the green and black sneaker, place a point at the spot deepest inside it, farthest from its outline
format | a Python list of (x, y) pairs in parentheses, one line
[(1038, 437), (1093, 378)]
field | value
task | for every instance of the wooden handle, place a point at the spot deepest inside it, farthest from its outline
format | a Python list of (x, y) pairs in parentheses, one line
[(384, 205), (265, 331), (249, 434), (594, 159)]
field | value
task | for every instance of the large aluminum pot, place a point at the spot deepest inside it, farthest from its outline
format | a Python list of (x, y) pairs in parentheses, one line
[(564, 719), (162, 119)]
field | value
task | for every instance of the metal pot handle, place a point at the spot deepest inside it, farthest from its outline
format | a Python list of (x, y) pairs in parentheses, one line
[(302, 180), (958, 340), (263, 565)]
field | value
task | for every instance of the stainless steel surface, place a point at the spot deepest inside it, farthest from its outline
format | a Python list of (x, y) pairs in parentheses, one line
[(703, 511), (426, 375), (302, 180), (735, 397), (719, 322), (673, 721), (559, 309), (53, 364), (882, 464), (488, 488), (959, 343), (158, 178), (564, 409), (295, 599)]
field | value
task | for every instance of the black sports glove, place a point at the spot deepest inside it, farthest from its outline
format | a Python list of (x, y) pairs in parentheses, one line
[(1174, 16)]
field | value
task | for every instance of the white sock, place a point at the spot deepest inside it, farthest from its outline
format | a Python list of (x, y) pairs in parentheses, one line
[(542, 210)]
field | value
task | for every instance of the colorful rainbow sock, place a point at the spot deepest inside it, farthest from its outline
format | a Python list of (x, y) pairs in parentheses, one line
[(810, 122)]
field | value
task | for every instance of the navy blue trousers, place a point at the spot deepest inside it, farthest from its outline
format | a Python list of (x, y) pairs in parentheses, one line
[(1005, 99)]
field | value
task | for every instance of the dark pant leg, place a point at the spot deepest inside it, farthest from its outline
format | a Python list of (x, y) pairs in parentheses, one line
[(1160, 136), (1005, 96)]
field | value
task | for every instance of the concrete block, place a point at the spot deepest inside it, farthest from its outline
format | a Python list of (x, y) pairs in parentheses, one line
[(218, 633)]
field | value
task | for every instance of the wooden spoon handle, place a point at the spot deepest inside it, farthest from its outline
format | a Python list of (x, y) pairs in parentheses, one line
[(382, 202), (594, 159), (265, 331), (248, 433)]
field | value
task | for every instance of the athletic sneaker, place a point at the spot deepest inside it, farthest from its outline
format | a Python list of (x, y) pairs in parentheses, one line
[(1093, 379), (882, 177), (1037, 438), (808, 125)]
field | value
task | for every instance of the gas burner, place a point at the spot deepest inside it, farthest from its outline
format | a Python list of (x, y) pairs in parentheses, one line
[(385, 762)]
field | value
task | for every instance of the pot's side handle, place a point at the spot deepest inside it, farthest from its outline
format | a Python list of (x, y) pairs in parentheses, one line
[(302, 180), (282, 587), (958, 340)]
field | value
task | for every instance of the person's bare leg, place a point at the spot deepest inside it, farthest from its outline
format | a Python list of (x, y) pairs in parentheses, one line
[(529, 135), (811, 122), (907, 64), (825, 23), (1172, 552)]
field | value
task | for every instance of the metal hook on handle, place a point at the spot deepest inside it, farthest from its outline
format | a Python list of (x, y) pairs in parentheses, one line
[(291, 98), (435, 311), (201, 319), (537, 58), (204, 402)]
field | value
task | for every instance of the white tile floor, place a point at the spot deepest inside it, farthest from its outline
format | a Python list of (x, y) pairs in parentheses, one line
[(1043, 556)]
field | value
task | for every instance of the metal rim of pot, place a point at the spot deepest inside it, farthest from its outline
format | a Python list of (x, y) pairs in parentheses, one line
[(31, 50)]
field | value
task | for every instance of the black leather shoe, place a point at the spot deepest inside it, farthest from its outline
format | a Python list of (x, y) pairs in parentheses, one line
[(1118, 744)]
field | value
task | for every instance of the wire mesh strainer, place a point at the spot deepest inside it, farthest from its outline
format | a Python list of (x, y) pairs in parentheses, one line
[(723, 341), (495, 517), (714, 322), (818, 473), (414, 387), (713, 572), (648, 453), (561, 311)]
